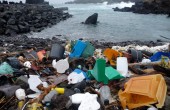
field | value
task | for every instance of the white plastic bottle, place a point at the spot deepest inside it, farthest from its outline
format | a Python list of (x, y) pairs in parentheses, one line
[(105, 94)]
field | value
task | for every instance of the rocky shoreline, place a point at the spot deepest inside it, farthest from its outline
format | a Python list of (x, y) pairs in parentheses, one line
[(23, 42), (148, 7), (23, 18)]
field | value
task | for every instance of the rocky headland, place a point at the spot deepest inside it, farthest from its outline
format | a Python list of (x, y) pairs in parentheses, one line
[(17, 18), (99, 1), (148, 7)]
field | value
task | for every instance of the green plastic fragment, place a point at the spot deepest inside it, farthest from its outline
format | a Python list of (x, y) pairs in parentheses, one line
[(5, 68)]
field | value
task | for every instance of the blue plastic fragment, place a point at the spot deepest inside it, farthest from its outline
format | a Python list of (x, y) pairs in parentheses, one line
[(78, 49), (78, 71), (157, 56)]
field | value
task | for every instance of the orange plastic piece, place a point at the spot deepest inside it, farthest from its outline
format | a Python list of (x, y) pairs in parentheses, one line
[(112, 55), (41, 55), (143, 91)]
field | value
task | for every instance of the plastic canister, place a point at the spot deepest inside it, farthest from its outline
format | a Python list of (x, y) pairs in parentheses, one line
[(122, 65), (41, 55), (105, 94), (57, 51), (136, 55)]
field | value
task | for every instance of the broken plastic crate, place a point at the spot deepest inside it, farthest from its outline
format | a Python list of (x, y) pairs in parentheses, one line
[(102, 73), (78, 49), (143, 91)]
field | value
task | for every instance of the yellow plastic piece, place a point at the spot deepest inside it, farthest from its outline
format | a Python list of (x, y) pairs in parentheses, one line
[(59, 90), (143, 91), (112, 55)]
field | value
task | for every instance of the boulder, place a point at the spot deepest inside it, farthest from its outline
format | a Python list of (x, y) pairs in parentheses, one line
[(92, 19)]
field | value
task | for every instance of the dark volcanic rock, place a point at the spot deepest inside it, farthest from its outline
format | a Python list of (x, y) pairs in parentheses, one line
[(92, 19), (34, 1), (152, 6), (22, 18)]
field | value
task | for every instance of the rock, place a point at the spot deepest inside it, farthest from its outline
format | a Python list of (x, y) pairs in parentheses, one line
[(34, 1), (11, 21), (92, 19), (23, 29), (2, 22)]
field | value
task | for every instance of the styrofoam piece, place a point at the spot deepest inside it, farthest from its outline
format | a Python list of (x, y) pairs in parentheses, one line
[(77, 98), (61, 66), (34, 81), (146, 61), (89, 102), (122, 66), (20, 94)]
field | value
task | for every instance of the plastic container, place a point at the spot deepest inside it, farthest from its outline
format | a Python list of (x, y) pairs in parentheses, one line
[(143, 91), (112, 74), (122, 66), (98, 71), (78, 49), (105, 94), (136, 55), (88, 51), (57, 52), (41, 56)]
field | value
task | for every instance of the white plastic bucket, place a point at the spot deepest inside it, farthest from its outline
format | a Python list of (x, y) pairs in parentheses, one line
[(122, 66)]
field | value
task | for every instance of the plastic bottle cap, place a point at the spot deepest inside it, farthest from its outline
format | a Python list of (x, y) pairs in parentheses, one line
[(106, 102)]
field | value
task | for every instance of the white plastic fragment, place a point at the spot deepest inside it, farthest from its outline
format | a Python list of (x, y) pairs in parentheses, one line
[(77, 98), (74, 77), (27, 64), (152, 108), (61, 66), (34, 81), (20, 94), (122, 66), (89, 102), (146, 61)]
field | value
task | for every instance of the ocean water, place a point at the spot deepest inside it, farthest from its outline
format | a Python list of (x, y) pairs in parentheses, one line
[(112, 26)]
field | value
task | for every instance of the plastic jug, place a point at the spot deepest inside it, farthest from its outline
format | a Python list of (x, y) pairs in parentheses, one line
[(105, 94), (57, 52), (143, 91), (122, 66), (78, 49)]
